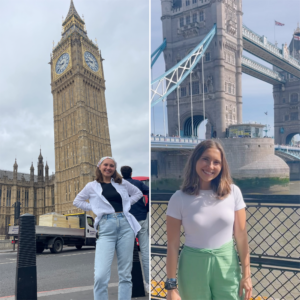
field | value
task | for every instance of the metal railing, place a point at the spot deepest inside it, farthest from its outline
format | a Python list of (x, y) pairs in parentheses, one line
[(176, 139), (293, 154), (286, 147), (273, 224)]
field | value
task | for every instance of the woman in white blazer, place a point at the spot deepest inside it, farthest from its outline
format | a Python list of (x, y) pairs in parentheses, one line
[(110, 198)]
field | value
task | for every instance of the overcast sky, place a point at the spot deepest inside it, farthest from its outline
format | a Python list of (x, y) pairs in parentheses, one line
[(26, 104), (259, 16)]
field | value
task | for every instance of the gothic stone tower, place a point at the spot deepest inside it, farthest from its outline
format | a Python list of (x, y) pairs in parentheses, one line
[(185, 24), (80, 120), (286, 101)]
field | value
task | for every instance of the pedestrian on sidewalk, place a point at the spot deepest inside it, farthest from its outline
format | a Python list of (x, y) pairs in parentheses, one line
[(140, 211), (211, 209), (110, 198)]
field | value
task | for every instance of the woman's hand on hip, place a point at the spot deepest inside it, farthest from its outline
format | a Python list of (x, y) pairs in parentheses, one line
[(246, 284), (173, 295)]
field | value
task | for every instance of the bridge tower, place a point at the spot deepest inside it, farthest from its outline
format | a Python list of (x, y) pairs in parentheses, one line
[(287, 100), (185, 24)]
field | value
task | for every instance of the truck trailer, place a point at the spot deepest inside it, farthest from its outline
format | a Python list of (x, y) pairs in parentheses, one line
[(55, 238)]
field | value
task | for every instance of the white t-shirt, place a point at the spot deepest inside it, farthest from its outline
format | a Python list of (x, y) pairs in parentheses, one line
[(207, 221)]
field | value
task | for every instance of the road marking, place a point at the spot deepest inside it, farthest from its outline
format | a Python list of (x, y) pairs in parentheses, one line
[(63, 291), (8, 262), (74, 254), (61, 255)]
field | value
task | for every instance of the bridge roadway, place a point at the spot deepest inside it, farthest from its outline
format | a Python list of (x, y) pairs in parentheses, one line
[(261, 72), (175, 143), (262, 48)]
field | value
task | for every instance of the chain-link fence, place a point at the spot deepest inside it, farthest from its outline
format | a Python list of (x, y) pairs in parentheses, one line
[(273, 224)]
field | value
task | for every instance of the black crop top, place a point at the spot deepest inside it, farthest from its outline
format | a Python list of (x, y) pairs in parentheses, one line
[(112, 196)]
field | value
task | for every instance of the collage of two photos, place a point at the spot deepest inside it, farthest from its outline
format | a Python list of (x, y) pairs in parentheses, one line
[(150, 150)]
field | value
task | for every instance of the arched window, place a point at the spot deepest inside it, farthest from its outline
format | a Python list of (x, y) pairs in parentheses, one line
[(34, 199), (294, 98), (201, 16)]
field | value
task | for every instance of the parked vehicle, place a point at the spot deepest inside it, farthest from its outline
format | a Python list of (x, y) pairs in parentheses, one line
[(55, 238)]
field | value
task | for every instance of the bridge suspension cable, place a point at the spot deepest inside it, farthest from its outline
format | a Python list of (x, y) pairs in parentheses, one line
[(157, 52), (162, 86)]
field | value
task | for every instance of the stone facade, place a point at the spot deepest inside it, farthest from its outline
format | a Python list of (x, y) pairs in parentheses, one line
[(81, 133), (252, 163), (34, 192), (287, 101), (185, 24)]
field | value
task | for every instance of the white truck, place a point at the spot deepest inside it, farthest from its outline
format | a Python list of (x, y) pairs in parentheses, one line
[(54, 238)]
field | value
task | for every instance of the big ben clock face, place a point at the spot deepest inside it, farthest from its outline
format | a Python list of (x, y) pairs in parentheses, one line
[(91, 61), (62, 63)]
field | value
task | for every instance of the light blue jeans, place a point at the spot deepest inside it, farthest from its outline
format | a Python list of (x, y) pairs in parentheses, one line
[(143, 236), (115, 233)]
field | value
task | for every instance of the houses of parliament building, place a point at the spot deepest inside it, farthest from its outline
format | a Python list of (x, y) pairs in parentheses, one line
[(81, 133)]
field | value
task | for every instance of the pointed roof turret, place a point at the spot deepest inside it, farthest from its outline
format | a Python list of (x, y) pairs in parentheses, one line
[(46, 167), (40, 156), (73, 11), (15, 164), (73, 22), (32, 167), (294, 46), (297, 31)]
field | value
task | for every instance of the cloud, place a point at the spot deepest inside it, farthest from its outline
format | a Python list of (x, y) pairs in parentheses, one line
[(26, 103)]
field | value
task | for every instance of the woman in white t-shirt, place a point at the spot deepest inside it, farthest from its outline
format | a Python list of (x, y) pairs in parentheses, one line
[(211, 209)]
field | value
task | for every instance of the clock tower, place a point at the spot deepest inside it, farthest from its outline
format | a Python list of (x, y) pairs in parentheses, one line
[(81, 134)]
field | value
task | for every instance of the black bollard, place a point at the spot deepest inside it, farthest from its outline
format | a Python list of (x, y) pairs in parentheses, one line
[(137, 276), (26, 281)]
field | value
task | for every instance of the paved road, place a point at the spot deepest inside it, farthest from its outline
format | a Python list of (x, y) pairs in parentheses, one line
[(64, 276)]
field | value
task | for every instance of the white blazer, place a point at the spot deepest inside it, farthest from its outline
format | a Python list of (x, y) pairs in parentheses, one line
[(100, 206)]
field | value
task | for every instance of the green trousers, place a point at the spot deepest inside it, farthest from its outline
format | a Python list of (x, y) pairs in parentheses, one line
[(209, 274)]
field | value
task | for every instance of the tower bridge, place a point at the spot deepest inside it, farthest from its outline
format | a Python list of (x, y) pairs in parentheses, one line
[(212, 88)]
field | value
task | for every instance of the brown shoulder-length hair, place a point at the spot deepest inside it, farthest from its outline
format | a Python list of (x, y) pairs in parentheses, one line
[(191, 181), (116, 176)]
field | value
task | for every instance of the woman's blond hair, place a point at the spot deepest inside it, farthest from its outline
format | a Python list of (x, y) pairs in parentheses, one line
[(116, 176), (191, 181)]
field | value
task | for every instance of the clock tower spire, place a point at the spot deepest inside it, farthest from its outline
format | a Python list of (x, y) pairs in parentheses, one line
[(81, 134)]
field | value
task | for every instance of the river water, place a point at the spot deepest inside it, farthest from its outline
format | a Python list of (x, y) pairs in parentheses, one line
[(293, 188)]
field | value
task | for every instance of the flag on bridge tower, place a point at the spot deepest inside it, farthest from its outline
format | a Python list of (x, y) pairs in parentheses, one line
[(297, 37), (276, 24)]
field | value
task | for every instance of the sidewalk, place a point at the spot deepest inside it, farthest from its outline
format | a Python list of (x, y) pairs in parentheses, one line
[(77, 293)]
